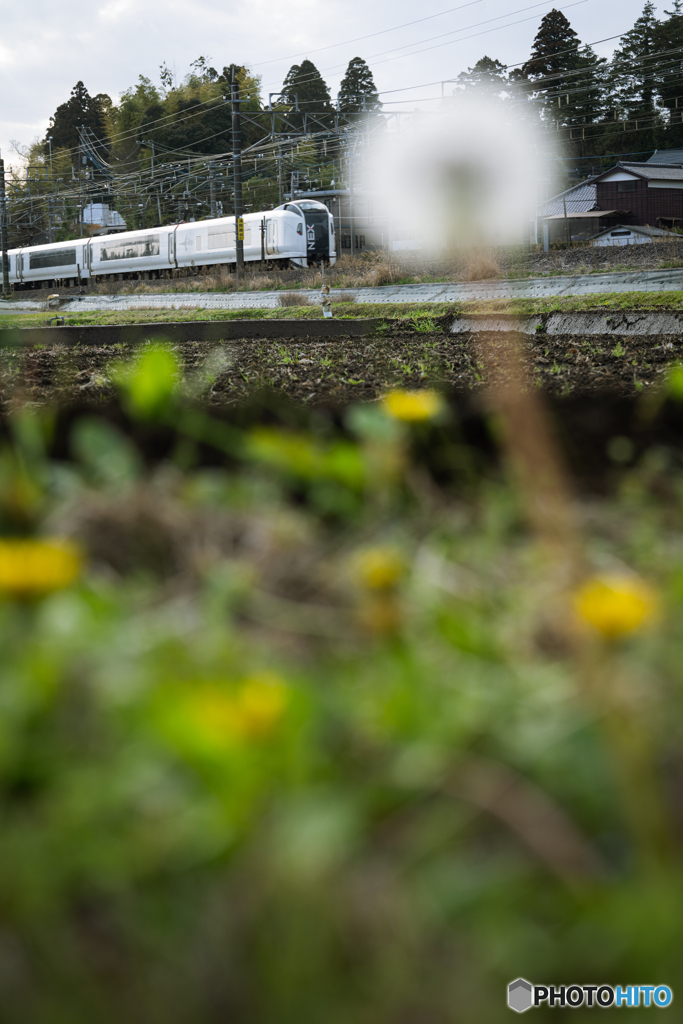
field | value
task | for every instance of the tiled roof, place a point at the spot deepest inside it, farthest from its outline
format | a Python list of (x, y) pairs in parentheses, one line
[(666, 156), (658, 172), (579, 199)]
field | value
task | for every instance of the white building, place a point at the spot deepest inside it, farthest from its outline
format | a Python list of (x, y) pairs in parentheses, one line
[(104, 220)]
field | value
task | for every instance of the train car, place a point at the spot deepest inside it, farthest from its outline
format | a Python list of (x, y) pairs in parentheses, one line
[(299, 233), (31, 266)]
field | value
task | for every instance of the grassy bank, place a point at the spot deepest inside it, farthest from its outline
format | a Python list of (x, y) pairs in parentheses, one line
[(626, 301)]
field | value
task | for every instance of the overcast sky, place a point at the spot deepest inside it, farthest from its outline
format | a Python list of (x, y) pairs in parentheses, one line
[(47, 46)]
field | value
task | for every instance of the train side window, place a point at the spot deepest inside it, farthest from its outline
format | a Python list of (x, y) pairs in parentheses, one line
[(362, 241)]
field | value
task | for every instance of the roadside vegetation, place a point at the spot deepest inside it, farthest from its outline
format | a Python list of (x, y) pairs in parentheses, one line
[(350, 717)]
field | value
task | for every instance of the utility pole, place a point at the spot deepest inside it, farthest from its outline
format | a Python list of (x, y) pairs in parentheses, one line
[(352, 220), (3, 233), (212, 188), (49, 218), (566, 223), (237, 170), (279, 171)]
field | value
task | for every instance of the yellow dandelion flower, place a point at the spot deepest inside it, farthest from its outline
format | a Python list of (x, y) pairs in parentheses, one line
[(32, 568), (412, 406), (615, 605), (261, 702), (379, 568), (251, 711)]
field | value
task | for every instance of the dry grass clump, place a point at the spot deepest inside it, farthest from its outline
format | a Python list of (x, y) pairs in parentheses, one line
[(343, 297), (481, 266), (294, 299), (369, 270)]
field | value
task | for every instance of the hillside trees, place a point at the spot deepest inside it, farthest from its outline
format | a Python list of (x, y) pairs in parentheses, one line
[(192, 117)]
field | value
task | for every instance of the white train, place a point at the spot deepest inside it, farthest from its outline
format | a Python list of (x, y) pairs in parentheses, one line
[(300, 232)]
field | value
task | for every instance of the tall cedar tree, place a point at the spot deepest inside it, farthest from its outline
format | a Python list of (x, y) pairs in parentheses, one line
[(634, 73), (487, 74), (305, 81), (669, 36), (358, 88), (80, 109), (572, 89)]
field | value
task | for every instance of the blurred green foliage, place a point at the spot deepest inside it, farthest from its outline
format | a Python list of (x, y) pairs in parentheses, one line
[(285, 758)]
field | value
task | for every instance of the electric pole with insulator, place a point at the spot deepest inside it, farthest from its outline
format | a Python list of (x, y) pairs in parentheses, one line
[(237, 169), (3, 233), (212, 188)]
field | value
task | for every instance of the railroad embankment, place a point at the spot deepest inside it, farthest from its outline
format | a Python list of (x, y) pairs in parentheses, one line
[(378, 269)]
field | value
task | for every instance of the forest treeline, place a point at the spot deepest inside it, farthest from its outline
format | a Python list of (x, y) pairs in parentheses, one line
[(152, 140), (564, 84)]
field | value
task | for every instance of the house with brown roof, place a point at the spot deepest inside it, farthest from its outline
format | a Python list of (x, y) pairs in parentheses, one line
[(648, 193)]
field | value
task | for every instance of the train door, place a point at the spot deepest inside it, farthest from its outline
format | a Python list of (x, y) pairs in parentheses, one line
[(271, 236), (20, 266), (172, 247), (87, 258)]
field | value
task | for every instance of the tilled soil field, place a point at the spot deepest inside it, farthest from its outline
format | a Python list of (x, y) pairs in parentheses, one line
[(341, 370)]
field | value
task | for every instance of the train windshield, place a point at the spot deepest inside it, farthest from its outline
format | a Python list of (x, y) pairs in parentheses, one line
[(317, 219)]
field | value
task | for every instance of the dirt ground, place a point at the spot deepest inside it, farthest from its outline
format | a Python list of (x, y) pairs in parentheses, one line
[(336, 372)]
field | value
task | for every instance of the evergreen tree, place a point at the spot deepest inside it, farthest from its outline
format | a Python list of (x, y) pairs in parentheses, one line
[(305, 82), (573, 89), (80, 109), (358, 90), (634, 76), (487, 74), (669, 75)]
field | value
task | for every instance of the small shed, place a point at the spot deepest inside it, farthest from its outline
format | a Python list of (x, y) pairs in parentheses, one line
[(632, 234), (576, 212)]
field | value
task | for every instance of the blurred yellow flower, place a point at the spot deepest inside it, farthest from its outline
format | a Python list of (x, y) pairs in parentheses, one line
[(251, 711), (379, 568), (615, 605), (32, 568), (412, 406)]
